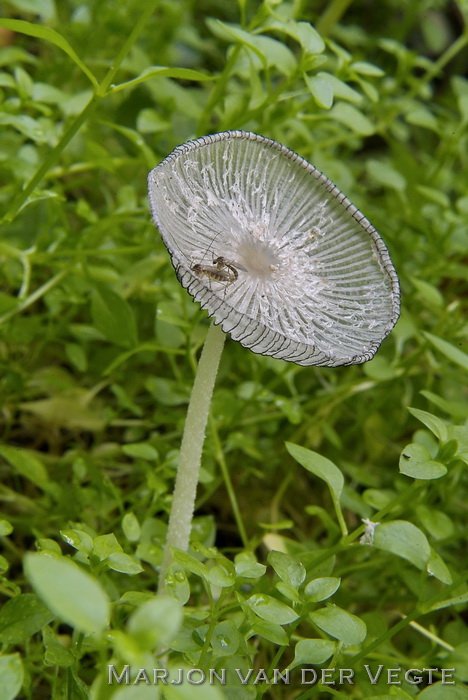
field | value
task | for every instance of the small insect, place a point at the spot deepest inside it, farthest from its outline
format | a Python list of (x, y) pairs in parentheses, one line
[(222, 270)]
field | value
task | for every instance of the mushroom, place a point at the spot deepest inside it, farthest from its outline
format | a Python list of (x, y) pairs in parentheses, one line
[(279, 257)]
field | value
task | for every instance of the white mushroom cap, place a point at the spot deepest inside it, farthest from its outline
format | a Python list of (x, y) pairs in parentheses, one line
[(305, 276)]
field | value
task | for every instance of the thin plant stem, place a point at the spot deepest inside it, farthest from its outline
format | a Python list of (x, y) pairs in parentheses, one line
[(332, 15), (185, 489), (228, 484)]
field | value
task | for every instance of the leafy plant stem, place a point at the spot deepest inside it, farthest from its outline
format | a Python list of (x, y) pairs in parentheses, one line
[(228, 484), (183, 503), (215, 613), (50, 160), (125, 50), (50, 284), (217, 91), (76, 125)]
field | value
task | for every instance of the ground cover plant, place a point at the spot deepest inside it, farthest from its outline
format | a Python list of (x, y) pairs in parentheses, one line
[(287, 574)]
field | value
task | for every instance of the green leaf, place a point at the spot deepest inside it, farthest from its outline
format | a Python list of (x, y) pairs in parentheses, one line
[(56, 654), (415, 461), (12, 675), (104, 545), (219, 576), (247, 566), (342, 625), (385, 175), (150, 122), (21, 617), (324, 469), (26, 464), (271, 631), (341, 89), (271, 609), (190, 563), (405, 540), (435, 196), (141, 691), (177, 585), (226, 639), (287, 568), (365, 68), (6, 528), (320, 89), (231, 33), (435, 424), (450, 351), (321, 588), (438, 568), (313, 651), (119, 561), (141, 450), (48, 34), (79, 540), (270, 51), (26, 125), (352, 118), (309, 38), (156, 622), (444, 691), (162, 72), (68, 591), (131, 527), (288, 592), (457, 409), (113, 316), (420, 116), (428, 292), (458, 658), (437, 523)]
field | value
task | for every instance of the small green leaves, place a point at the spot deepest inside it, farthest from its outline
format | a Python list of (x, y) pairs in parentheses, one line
[(313, 651), (289, 570), (141, 450), (324, 469), (353, 118), (26, 464), (415, 461), (156, 622), (450, 351), (270, 51), (405, 540), (271, 609), (340, 624), (69, 592), (21, 617), (12, 674), (113, 316), (385, 175), (321, 588), (271, 631), (435, 424), (365, 68), (321, 90), (225, 640), (48, 34)]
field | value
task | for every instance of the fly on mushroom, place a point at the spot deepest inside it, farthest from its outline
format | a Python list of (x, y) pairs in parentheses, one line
[(221, 271)]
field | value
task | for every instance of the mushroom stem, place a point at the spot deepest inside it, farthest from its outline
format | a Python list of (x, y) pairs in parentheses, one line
[(185, 489)]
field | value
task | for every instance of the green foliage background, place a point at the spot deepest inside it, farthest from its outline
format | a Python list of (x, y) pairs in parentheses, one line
[(99, 343)]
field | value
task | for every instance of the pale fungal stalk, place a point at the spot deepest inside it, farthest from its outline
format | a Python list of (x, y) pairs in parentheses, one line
[(185, 489), (279, 257)]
